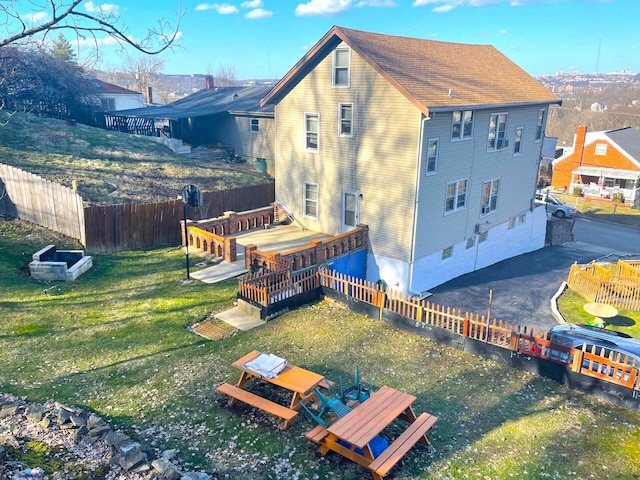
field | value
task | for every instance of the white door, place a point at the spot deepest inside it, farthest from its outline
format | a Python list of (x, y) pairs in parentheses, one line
[(350, 212)]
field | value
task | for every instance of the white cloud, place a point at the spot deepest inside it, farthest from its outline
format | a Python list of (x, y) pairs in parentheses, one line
[(105, 8), (258, 13), (252, 4), (503, 32), (443, 9), (221, 8), (35, 17), (308, 47), (92, 42), (323, 7), (376, 3)]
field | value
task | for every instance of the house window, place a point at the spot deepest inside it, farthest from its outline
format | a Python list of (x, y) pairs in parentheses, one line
[(490, 196), (497, 131), (447, 252), (432, 155), (601, 148), (341, 67), (511, 224), (311, 121), (255, 125), (345, 113), (471, 241), (311, 200), (521, 218), (108, 104), (462, 124), (483, 237), (517, 141), (456, 196), (540, 124)]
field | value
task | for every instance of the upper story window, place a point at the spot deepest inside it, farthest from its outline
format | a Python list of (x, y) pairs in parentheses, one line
[(540, 124), (255, 125), (432, 155), (497, 131), (456, 197), (462, 124), (517, 141), (341, 60), (490, 192), (311, 200), (345, 119), (311, 131), (108, 104), (601, 149)]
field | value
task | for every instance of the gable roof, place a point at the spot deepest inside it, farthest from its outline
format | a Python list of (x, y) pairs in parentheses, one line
[(208, 102), (628, 140), (432, 75), (98, 87)]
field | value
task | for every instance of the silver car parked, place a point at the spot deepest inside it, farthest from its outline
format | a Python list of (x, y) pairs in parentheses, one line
[(554, 206)]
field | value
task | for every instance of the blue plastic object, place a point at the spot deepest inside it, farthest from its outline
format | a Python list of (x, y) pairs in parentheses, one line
[(378, 445)]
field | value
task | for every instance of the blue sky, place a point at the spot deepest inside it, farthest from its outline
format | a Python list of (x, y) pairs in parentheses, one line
[(265, 38)]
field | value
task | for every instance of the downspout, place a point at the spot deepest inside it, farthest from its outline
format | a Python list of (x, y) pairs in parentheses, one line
[(416, 205)]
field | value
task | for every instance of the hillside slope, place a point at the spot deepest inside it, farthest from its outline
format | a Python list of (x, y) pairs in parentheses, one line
[(111, 167)]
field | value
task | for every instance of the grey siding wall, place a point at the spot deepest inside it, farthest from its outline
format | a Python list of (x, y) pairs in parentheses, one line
[(379, 161), (469, 159)]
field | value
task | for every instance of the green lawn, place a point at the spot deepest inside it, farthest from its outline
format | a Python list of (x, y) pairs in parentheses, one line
[(116, 343)]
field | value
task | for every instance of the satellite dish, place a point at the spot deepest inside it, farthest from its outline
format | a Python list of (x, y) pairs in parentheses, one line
[(192, 196)]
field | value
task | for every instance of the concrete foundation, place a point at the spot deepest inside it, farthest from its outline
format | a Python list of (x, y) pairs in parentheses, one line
[(50, 264)]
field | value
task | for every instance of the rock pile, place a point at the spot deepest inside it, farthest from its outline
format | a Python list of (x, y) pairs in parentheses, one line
[(83, 442)]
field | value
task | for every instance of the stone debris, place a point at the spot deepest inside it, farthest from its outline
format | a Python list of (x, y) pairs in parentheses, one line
[(90, 443)]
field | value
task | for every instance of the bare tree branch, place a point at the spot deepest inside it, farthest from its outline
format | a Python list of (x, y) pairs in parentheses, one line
[(66, 16)]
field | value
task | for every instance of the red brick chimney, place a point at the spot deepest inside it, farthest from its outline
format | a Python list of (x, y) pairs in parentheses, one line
[(578, 143), (208, 82)]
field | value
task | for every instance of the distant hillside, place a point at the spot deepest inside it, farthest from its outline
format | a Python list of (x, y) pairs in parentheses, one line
[(111, 167)]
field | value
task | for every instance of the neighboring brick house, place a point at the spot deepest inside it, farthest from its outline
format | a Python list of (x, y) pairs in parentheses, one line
[(601, 164), (435, 146)]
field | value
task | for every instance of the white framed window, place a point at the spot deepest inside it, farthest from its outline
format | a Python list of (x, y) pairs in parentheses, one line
[(522, 218), (341, 65), (497, 131), (462, 124), (432, 155), (490, 192), (511, 224), (311, 131), (517, 141), (456, 197), (255, 125), (471, 241), (108, 104), (447, 252), (601, 149), (311, 200), (345, 119), (540, 124)]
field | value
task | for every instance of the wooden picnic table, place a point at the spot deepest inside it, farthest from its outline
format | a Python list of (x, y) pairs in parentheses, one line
[(298, 381), (358, 428)]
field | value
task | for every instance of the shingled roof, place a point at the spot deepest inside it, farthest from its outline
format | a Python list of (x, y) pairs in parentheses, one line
[(433, 75)]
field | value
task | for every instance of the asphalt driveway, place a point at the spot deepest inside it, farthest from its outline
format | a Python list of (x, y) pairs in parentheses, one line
[(522, 286)]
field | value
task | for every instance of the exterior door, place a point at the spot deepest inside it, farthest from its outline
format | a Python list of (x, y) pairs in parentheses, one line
[(350, 214)]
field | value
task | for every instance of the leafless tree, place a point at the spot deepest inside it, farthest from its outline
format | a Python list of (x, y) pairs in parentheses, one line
[(226, 76), (46, 16)]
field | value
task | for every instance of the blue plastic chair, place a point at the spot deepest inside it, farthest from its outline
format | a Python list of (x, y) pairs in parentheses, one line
[(335, 404), (318, 417), (356, 392)]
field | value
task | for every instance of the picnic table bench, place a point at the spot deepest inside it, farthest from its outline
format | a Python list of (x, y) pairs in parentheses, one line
[(257, 401), (351, 436), (298, 381)]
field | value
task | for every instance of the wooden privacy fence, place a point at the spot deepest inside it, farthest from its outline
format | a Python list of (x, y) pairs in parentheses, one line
[(32, 198), (116, 228), (596, 284)]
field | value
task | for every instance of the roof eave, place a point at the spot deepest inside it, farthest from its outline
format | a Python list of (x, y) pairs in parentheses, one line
[(493, 106)]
